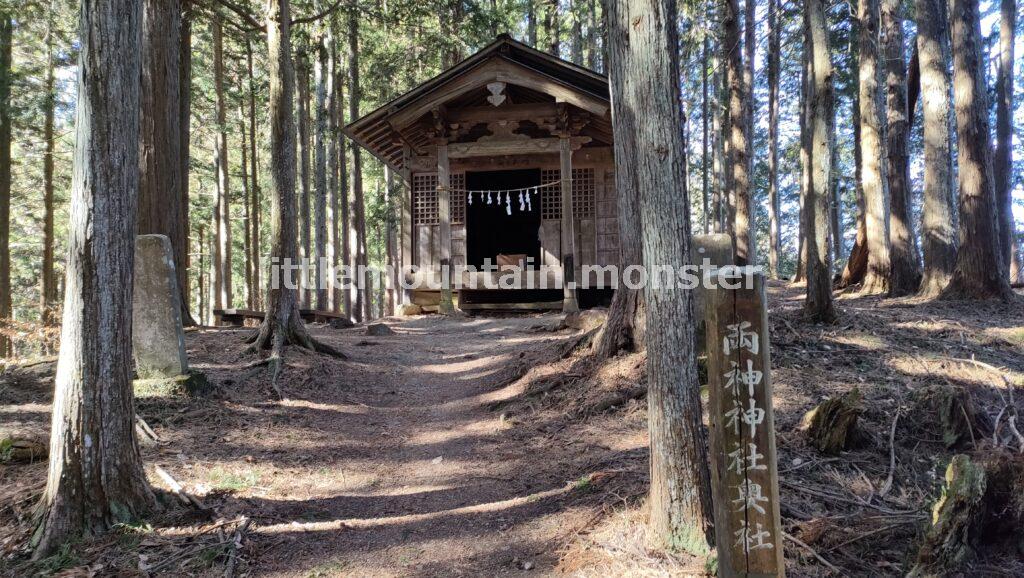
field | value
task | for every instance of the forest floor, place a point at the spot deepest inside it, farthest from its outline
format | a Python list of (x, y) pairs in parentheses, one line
[(487, 446)]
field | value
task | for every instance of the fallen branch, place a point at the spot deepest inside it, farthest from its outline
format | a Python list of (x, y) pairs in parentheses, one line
[(233, 546), (814, 553), (177, 489), (892, 456), (146, 429)]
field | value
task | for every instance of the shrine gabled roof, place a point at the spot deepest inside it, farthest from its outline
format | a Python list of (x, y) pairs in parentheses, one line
[(535, 74)]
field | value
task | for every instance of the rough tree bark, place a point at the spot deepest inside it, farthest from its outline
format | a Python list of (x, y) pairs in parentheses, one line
[(819, 126), (873, 178), (222, 250), (1003, 164), (96, 477), (305, 189), (247, 248), (161, 209), (737, 169), (904, 272), (345, 252), (938, 236), (254, 188), (324, 99), (185, 138), (774, 206), (705, 124), (6, 33), (680, 495), (48, 293), (979, 271), (551, 27), (361, 307)]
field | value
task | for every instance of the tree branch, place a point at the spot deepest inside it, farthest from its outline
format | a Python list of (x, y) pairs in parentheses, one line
[(322, 14), (243, 13)]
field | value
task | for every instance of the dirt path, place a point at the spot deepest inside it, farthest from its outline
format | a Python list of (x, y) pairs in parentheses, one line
[(388, 464)]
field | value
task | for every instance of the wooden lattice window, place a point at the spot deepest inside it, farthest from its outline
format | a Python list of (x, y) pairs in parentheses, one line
[(584, 194), (458, 198), (424, 198), (550, 196)]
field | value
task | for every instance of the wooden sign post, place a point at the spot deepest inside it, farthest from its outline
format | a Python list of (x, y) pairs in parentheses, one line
[(743, 473)]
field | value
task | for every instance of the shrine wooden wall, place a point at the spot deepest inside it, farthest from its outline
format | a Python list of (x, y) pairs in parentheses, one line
[(594, 206)]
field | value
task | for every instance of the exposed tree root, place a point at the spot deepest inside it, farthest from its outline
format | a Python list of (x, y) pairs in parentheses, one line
[(276, 334)]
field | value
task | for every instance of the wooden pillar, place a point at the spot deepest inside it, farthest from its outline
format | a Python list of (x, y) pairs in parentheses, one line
[(569, 301), (405, 224), (446, 306)]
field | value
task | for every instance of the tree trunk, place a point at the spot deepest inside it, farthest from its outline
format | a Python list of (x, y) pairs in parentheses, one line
[(305, 190), (551, 27), (938, 235), (979, 271), (222, 254), (254, 188), (6, 33), (161, 209), (737, 177), (905, 273), (819, 126), (805, 165), (250, 260), (873, 179), (362, 301), (651, 147), (774, 205), (1003, 164), (577, 32), (344, 252), (48, 297), (96, 477), (185, 138), (282, 324), (531, 22), (705, 123), (324, 99), (334, 151), (857, 261)]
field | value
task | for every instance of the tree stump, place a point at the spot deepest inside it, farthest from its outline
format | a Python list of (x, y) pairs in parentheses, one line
[(955, 411), (832, 426)]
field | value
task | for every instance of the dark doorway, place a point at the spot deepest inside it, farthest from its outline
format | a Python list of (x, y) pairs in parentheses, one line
[(490, 230)]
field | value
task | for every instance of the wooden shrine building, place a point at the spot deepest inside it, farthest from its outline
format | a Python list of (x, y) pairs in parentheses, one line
[(505, 156)]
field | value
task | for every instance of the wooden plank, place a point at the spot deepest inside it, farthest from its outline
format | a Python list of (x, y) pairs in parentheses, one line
[(424, 245), (529, 306), (744, 473), (551, 243), (587, 242), (475, 114), (510, 147)]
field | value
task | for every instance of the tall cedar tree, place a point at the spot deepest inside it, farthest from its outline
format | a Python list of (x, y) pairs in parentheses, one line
[(774, 205), (6, 37), (162, 208), (737, 170), (222, 210), (48, 293), (818, 126), (938, 235), (1003, 165), (282, 324), (979, 271), (361, 306), (873, 175), (305, 190), (96, 478), (643, 43), (905, 273)]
